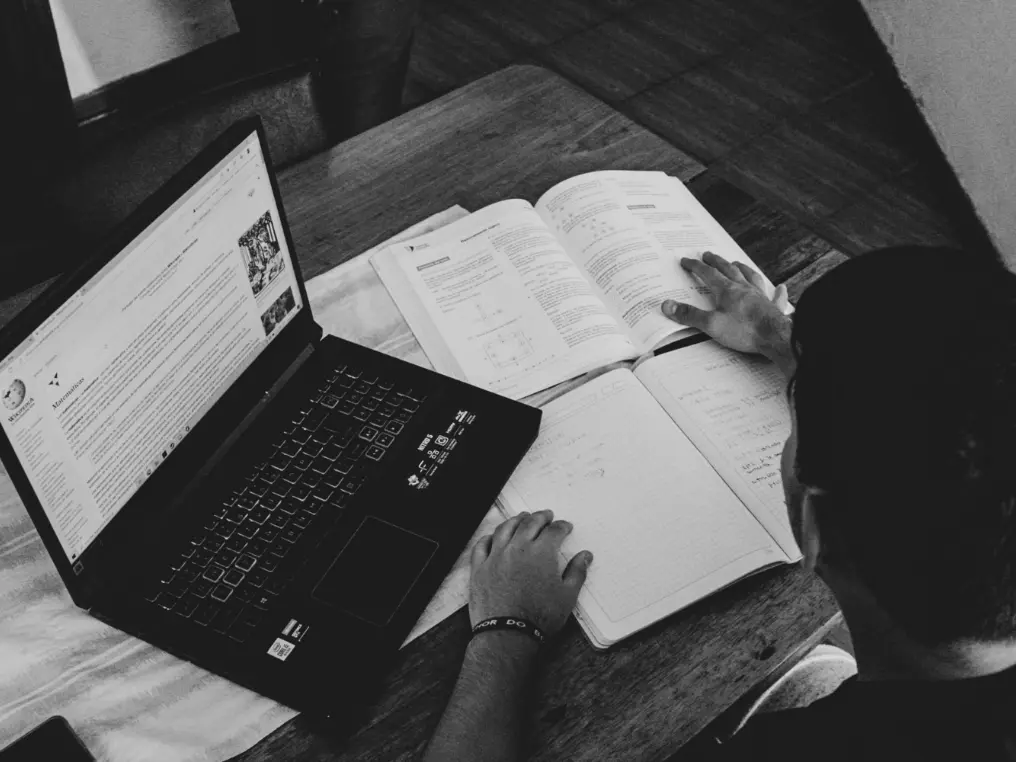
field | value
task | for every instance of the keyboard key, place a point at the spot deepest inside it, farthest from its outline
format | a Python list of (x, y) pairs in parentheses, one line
[(189, 573), (202, 557), (280, 548), (221, 593), (360, 414), (267, 534), (351, 486), (213, 573), (384, 440), (301, 493), (244, 593), (402, 416), (178, 563), (232, 578), (205, 613), (258, 548), (292, 476), (257, 578), (314, 419), (343, 466), (198, 539), (394, 427), (302, 520), (375, 452), (259, 488), (246, 562), (260, 516), (331, 453), (246, 502), (291, 535), (270, 503), (166, 601), (370, 404), (386, 410), (187, 606), (236, 516), (226, 616), (313, 508), (270, 563), (279, 521), (356, 450), (385, 383), (368, 433), (213, 545), (225, 531), (243, 533), (323, 494), (290, 507), (303, 462), (330, 401), (313, 479), (226, 558), (301, 437), (201, 588), (210, 524), (312, 450), (276, 586), (333, 479), (281, 488), (178, 586)]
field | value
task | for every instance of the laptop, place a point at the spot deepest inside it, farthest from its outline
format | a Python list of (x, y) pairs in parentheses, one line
[(214, 475)]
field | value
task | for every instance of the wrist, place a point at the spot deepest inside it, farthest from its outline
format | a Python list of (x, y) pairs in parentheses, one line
[(773, 341), (516, 647)]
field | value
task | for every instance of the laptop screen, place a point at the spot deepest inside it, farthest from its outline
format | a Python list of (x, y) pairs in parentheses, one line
[(96, 398)]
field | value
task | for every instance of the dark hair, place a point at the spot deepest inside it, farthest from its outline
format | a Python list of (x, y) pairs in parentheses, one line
[(905, 398)]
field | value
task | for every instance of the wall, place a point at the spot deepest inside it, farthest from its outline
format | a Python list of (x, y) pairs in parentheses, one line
[(958, 57)]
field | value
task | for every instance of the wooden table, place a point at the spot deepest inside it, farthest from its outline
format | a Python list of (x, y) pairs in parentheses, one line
[(512, 135)]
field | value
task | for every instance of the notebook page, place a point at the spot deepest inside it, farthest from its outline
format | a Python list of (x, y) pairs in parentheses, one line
[(734, 408), (664, 528)]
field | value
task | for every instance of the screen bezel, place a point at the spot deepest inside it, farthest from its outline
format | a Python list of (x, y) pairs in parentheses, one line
[(193, 452)]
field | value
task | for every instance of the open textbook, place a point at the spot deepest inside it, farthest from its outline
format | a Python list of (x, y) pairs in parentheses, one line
[(671, 476), (516, 297)]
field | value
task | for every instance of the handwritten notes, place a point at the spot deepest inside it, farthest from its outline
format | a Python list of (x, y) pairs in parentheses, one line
[(733, 407), (663, 526)]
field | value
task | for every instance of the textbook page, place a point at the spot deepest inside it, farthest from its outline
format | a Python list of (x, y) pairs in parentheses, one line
[(664, 528), (495, 301), (628, 232), (734, 408)]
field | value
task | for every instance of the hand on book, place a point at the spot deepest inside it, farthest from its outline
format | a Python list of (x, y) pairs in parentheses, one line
[(746, 318), (515, 572)]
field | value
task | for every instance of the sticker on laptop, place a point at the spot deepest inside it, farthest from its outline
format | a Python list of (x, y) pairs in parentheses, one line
[(281, 649), (295, 630)]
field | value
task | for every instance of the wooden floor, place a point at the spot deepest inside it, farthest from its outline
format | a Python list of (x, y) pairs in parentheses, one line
[(813, 146)]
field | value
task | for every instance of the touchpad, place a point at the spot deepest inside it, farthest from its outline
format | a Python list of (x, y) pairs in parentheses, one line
[(374, 572)]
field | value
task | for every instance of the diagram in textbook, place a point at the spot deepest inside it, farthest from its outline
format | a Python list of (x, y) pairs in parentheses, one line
[(508, 349)]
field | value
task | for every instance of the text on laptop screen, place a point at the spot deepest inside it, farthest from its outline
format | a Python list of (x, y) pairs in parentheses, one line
[(96, 398)]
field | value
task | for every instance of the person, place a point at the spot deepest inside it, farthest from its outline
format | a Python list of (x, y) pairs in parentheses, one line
[(900, 488)]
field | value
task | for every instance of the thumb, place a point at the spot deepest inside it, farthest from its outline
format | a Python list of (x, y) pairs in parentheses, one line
[(480, 551), (685, 314), (575, 571)]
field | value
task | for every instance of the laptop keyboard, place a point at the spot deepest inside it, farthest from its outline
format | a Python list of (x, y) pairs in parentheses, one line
[(254, 543)]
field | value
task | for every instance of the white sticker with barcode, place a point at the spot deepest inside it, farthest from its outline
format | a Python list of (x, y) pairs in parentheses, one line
[(281, 649)]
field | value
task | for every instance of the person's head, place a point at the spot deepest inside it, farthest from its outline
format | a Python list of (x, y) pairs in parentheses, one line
[(901, 469)]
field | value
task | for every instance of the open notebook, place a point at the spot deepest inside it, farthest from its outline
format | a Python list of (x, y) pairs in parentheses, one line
[(671, 476)]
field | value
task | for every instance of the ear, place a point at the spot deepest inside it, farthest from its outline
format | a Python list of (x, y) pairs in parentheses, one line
[(811, 538)]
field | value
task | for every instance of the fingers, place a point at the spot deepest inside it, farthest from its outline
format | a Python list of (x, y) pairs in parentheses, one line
[(782, 299), (505, 531), (713, 278), (481, 550), (754, 277), (725, 267), (685, 314), (575, 572), (531, 527)]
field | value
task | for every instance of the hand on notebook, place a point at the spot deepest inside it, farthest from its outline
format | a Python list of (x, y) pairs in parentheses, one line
[(746, 318), (515, 572)]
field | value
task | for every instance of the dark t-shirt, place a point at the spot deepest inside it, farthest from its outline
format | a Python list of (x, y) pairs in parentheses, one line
[(972, 719)]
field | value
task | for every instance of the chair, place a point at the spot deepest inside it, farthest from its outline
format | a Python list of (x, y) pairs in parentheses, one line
[(317, 71)]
